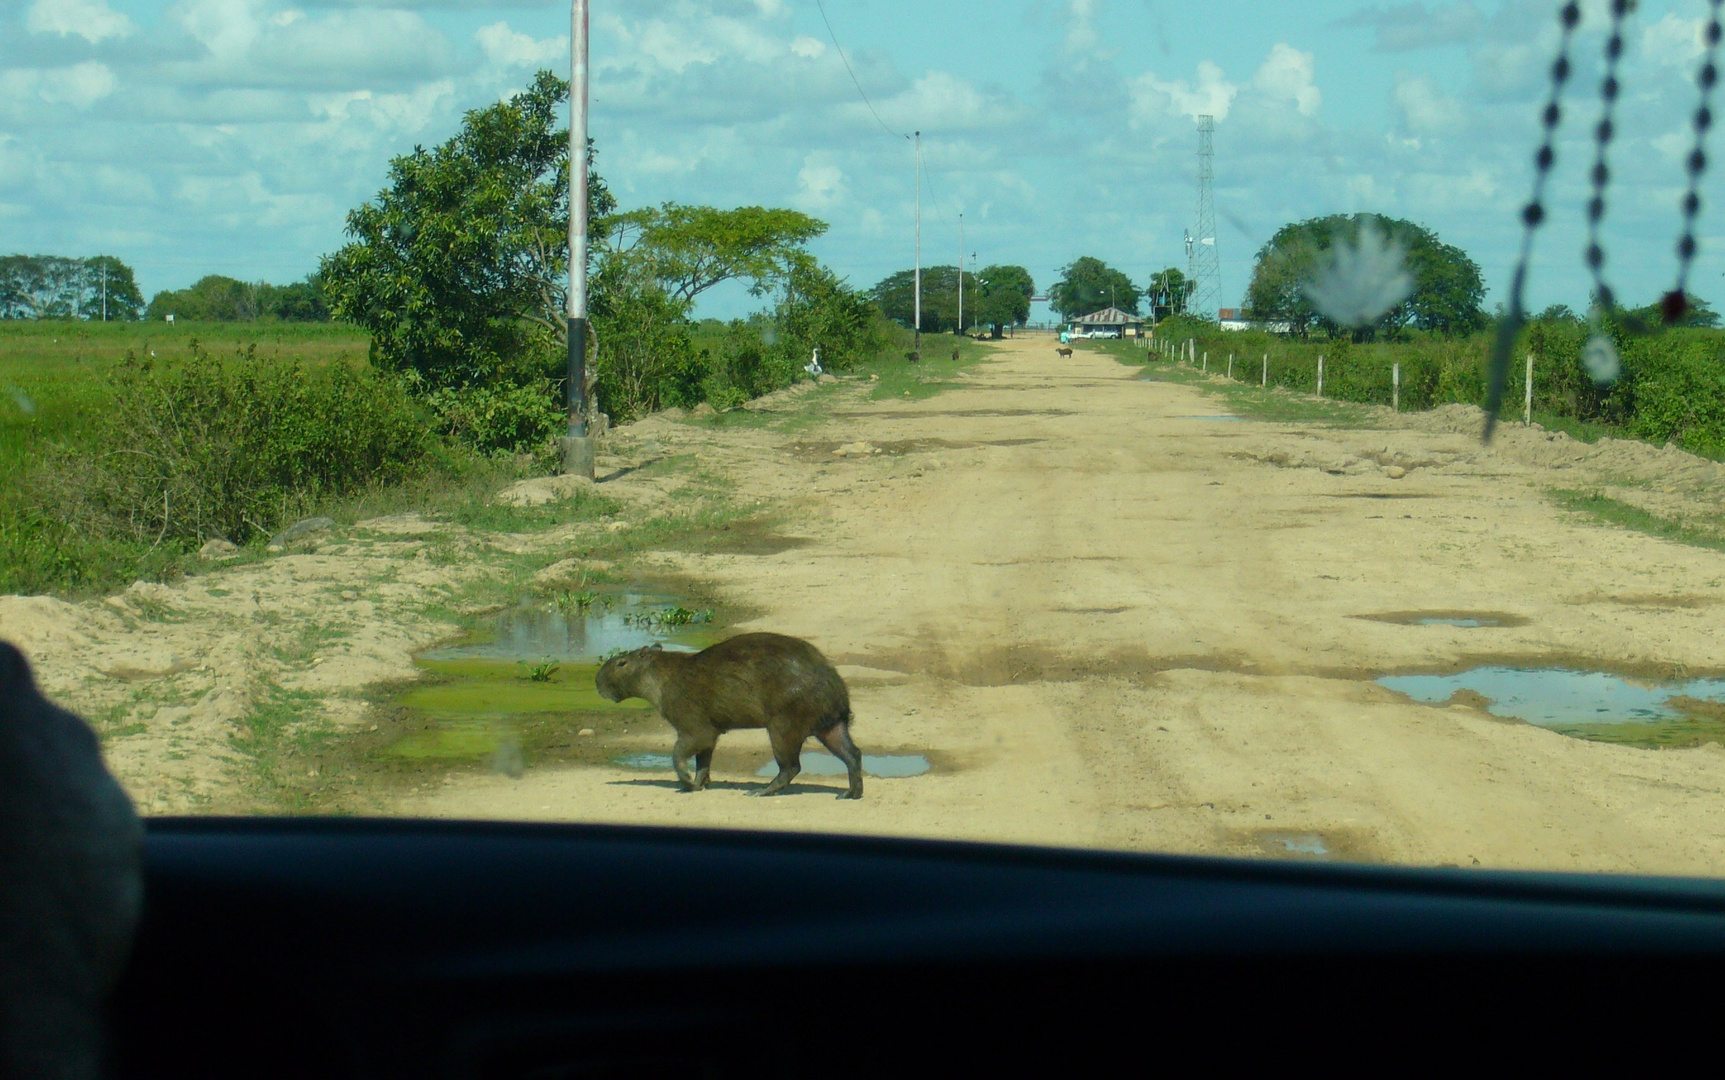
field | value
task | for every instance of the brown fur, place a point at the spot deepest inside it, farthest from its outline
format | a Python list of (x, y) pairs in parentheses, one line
[(767, 681), (1063, 351)]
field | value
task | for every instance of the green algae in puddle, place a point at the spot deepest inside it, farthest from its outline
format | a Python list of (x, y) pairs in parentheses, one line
[(449, 740), (473, 687)]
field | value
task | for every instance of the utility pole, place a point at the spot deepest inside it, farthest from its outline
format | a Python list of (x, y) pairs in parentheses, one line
[(577, 449), (961, 271), (916, 347), (1206, 264), (104, 292)]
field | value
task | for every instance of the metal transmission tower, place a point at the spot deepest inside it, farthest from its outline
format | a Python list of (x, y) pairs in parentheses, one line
[(1206, 265)]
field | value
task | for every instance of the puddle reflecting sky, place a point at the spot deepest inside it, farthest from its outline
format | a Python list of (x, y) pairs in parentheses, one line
[(1558, 697), (539, 632)]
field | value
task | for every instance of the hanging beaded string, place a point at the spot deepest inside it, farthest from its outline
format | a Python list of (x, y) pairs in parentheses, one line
[(1601, 175), (1674, 304), (1568, 17)]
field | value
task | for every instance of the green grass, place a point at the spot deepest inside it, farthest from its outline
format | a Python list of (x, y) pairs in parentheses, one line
[(1241, 397), (1607, 510), (899, 378)]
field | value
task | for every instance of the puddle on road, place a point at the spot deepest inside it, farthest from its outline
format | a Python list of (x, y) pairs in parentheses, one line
[(1593, 705), (815, 763), (1467, 620), (1295, 845), (588, 625)]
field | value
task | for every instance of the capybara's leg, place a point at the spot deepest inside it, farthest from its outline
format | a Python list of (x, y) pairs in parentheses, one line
[(788, 752), (838, 739), (704, 762), (680, 755)]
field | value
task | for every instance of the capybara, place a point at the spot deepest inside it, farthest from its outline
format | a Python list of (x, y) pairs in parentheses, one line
[(1064, 350), (955, 353), (750, 681)]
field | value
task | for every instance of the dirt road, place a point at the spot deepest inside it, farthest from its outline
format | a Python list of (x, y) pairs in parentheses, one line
[(1111, 623), (1106, 620)]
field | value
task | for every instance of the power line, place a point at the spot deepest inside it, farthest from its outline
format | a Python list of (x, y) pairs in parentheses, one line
[(854, 80)]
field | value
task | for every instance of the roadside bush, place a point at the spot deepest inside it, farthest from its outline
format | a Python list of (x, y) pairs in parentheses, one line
[(202, 448), (508, 419)]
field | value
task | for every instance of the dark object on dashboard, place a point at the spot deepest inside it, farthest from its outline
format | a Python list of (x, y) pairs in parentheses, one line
[(323, 948), (71, 850)]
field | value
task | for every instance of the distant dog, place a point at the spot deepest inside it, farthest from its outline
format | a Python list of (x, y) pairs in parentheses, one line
[(1064, 350), (71, 886)]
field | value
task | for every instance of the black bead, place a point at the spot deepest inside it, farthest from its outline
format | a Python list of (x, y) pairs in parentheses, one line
[(1595, 256), (1533, 214), (1553, 113), (1686, 246), (1713, 31), (1544, 158), (1601, 174), (1595, 208), (1614, 47), (1609, 89), (1571, 14), (1691, 204), (1703, 118), (1697, 162), (1604, 132), (1709, 75), (1560, 69)]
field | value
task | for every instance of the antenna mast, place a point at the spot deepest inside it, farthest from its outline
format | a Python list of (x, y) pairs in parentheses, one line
[(1206, 264), (917, 345)]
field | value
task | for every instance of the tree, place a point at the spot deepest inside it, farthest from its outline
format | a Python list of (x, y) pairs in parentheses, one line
[(462, 260), (1447, 285), (895, 295), (55, 287), (689, 249), (215, 298), (1088, 285), (1168, 292), (1004, 299)]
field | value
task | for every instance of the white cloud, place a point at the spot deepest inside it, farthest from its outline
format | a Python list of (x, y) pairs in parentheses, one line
[(944, 101), (1424, 109), (1080, 33), (1673, 41), (1413, 26), (820, 185), (1211, 94), (79, 86), (92, 20), (807, 47), (508, 48), (1287, 75)]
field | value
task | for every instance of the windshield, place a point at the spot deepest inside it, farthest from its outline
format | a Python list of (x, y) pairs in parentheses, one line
[(1273, 430)]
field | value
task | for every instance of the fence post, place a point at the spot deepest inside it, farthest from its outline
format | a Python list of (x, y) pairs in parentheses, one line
[(1396, 388), (1527, 395), (1320, 374), (1264, 381), (1206, 360), (1230, 365)]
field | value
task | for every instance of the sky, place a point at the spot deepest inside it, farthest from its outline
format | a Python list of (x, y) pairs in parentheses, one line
[(233, 136)]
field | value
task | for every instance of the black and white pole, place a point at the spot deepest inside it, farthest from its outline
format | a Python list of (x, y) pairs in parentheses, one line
[(961, 271), (916, 346), (577, 449)]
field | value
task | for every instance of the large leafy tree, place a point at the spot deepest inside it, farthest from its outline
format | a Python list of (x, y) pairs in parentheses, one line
[(1169, 291), (214, 298), (1088, 285), (895, 295), (1447, 285), (690, 249), (55, 287), (1004, 300), (462, 259)]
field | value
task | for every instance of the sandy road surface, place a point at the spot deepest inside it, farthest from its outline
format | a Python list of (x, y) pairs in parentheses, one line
[(1112, 624), (1106, 623)]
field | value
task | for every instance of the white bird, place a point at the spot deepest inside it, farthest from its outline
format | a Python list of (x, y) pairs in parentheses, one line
[(1363, 280), (813, 367)]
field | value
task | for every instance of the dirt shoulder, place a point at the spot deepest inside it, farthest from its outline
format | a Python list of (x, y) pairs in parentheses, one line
[(1107, 620)]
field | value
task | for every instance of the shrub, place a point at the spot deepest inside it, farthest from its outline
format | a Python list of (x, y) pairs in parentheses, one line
[(508, 419), (201, 448)]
